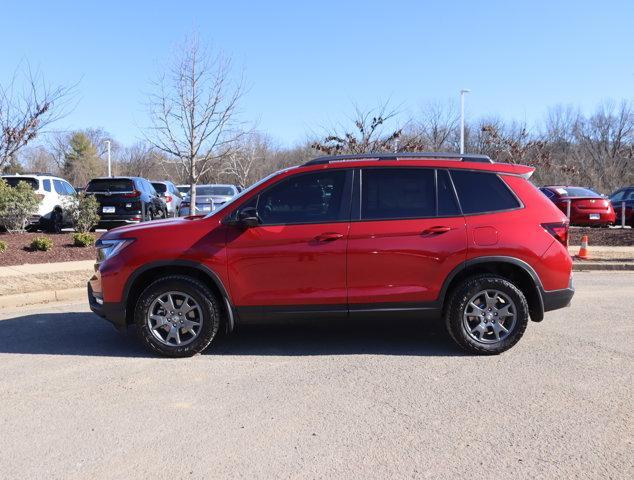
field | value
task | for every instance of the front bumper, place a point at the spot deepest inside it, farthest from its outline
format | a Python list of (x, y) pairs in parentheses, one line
[(114, 312)]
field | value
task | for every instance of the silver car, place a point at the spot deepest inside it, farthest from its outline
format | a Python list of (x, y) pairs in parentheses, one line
[(208, 198), (170, 194)]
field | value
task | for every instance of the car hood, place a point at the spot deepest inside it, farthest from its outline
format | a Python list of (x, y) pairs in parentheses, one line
[(177, 224)]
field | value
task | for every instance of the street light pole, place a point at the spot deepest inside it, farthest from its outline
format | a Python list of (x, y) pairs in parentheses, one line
[(462, 92), (109, 165)]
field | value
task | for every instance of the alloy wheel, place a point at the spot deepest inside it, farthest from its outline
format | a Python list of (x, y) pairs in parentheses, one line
[(175, 319), (490, 316)]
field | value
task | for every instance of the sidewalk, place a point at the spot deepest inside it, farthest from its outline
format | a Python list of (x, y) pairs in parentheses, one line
[(35, 283), (42, 268)]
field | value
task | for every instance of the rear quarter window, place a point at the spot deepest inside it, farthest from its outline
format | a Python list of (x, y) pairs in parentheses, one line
[(13, 181), (482, 192)]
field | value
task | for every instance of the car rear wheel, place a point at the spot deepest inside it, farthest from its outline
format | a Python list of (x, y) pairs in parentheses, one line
[(486, 314), (177, 316)]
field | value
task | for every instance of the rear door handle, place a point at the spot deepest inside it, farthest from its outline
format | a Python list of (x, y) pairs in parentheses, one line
[(436, 230), (328, 237)]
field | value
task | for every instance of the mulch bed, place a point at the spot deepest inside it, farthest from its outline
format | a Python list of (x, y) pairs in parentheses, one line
[(63, 249), (612, 237)]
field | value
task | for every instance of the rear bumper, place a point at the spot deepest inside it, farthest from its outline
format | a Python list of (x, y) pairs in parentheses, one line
[(114, 312), (118, 220), (556, 299), (583, 218)]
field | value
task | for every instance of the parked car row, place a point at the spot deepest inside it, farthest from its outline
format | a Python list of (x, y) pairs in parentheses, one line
[(122, 200)]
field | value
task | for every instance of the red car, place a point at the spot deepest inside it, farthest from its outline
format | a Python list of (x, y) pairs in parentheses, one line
[(587, 207), (456, 237)]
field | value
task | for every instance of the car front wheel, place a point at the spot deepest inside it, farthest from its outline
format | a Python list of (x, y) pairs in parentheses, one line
[(177, 316), (486, 314)]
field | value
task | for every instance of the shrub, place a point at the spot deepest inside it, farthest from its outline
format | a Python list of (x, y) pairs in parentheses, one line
[(83, 239), (42, 243), (84, 212), (3, 246), (17, 204)]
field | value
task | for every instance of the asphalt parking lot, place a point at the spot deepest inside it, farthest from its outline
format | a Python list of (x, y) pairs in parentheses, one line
[(372, 400)]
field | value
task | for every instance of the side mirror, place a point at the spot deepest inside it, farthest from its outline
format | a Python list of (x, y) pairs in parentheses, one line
[(248, 217)]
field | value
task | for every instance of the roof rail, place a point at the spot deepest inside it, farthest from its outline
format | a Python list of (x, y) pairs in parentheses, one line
[(460, 157)]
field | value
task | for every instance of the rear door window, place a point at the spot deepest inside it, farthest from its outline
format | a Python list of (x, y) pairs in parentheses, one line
[(397, 193), (447, 203), (159, 187), (482, 192), (46, 183)]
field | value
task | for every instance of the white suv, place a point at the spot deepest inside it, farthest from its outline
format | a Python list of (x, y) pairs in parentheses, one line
[(54, 194)]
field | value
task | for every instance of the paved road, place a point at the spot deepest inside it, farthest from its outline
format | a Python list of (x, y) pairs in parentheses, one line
[(79, 401)]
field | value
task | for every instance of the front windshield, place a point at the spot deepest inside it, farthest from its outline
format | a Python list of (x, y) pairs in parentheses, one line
[(246, 191)]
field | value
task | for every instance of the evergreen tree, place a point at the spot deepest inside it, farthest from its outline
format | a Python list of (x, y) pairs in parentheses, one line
[(81, 161)]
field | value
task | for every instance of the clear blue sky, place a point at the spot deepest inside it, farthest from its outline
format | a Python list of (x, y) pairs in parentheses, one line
[(306, 62)]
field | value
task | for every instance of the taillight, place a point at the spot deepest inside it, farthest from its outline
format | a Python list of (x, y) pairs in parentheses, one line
[(168, 198), (39, 196), (559, 231), (134, 194)]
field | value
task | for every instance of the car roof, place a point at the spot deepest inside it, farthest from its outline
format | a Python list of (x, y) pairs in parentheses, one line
[(419, 159), (116, 178), (463, 157), (32, 175)]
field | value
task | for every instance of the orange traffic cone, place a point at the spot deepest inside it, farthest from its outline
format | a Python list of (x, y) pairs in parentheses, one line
[(583, 251)]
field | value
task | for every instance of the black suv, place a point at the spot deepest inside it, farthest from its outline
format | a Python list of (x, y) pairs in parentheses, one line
[(126, 200)]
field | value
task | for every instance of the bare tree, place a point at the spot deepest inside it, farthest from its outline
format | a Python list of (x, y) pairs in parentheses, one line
[(142, 160), (193, 111), (435, 128), (241, 164), (27, 106)]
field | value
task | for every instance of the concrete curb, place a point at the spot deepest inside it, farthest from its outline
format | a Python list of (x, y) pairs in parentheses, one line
[(47, 296), (581, 266)]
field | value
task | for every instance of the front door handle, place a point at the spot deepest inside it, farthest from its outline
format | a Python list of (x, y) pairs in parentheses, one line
[(436, 230), (328, 237)]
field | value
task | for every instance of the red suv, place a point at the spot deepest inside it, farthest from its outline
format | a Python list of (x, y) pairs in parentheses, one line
[(456, 237)]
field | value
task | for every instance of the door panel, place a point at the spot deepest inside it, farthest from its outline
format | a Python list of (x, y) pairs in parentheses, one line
[(288, 264), (297, 256), (403, 261), (393, 256)]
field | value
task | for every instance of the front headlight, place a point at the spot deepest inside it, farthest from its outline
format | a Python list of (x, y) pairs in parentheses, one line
[(109, 248)]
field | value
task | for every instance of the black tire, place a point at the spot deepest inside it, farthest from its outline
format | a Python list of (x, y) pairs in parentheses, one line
[(206, 300), (161, 214), (55, 223), (456, 308)]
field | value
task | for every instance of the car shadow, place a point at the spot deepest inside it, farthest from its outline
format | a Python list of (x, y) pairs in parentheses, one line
[(81, 333)]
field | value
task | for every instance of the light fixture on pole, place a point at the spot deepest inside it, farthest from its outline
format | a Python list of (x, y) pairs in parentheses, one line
[(462, 92), (108, 151)]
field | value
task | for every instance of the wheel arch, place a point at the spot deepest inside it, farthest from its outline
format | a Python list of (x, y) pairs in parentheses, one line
[(146, 274), (511, 268)]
